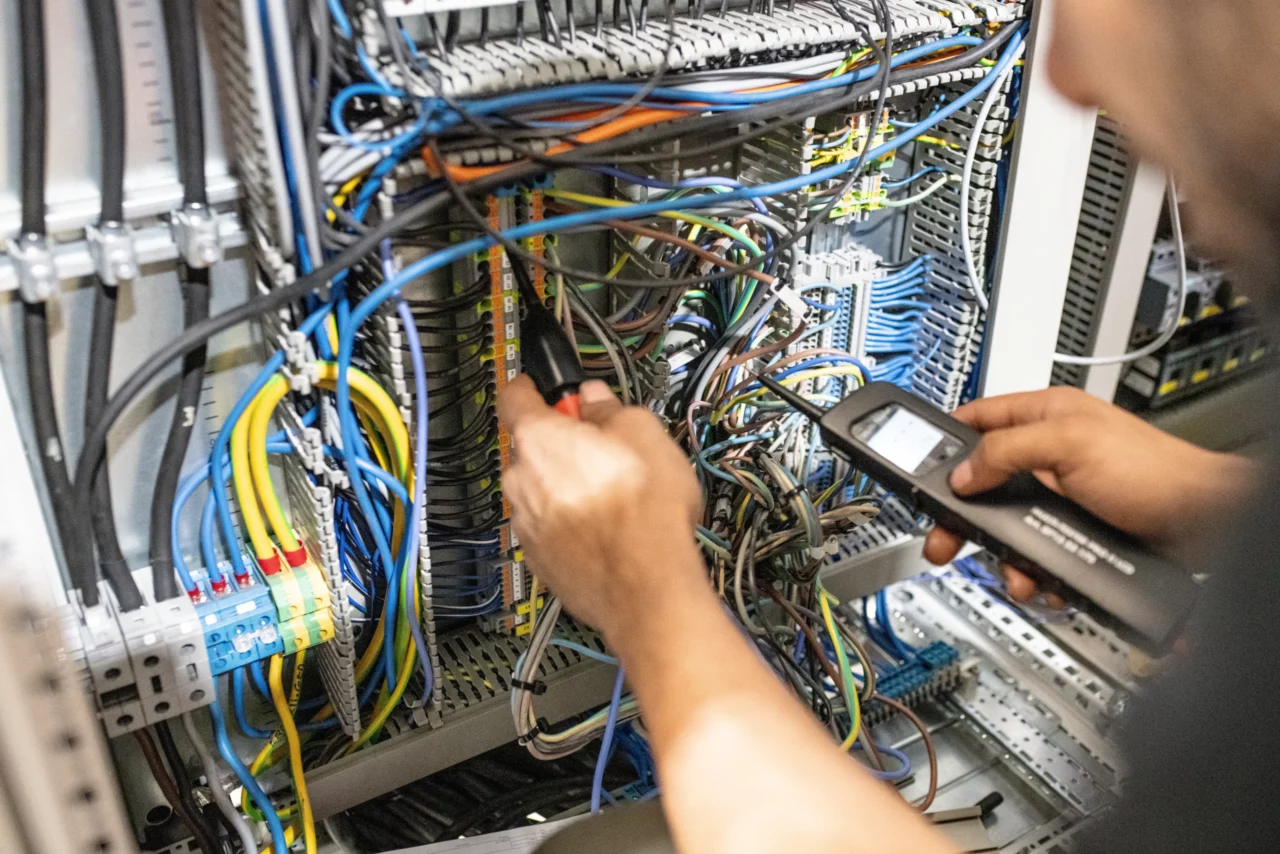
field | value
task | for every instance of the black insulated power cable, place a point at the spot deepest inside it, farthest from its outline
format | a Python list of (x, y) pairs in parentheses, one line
[(207, 832), (195, 336), (184, 59), (35, 322), (104, 30)]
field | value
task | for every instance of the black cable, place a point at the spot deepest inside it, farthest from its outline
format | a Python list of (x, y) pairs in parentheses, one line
[(183, 38), (35, 324), (110, 557), (195, 306), (111, 108), (206, 834), (194, 336), (34, 115)]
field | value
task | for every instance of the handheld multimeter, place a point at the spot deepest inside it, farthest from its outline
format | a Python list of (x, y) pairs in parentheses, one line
[(910, 447)]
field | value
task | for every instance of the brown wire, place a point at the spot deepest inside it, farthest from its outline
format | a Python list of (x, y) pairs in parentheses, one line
[(782, 363), (170, 791), (901, 709)]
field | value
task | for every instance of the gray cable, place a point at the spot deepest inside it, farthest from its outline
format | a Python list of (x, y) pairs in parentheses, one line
[(256, 51), (220, 796), (282, 51)]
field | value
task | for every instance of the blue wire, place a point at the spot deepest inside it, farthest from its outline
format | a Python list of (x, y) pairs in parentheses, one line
[(259, 797), (506, 103), (242, 720), (421, 418), (606, 743), (893, 185), (584, 650), (904, 762), (220, 449), (340, 18)]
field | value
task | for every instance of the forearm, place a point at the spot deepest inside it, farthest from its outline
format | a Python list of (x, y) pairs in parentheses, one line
[(743, 765)]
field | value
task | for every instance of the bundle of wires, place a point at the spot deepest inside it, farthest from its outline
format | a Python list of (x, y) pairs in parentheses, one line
[(708, 259), (898, 305)]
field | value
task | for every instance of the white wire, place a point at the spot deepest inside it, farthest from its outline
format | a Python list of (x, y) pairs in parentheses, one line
[(971, 157), (1180, 249), (219, 794), (920, 196)]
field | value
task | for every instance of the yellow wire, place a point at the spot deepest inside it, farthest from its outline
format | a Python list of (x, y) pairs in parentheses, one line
[(241, 475), (274, 679), (249, 455), (345, 190), (933, 140), (793, 379), (260, 416), (601, 202), (533, 603), (387, 703), (855, 710), (362, 385), (290, 834)]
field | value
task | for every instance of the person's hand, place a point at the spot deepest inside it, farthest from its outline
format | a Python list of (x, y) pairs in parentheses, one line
[(604, 507), (1112, 463)]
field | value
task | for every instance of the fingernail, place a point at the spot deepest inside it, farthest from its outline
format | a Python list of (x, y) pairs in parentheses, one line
[(594, 391), (962, 475)]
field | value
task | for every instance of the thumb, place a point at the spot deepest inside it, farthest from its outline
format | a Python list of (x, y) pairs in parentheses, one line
[(1042, 446)]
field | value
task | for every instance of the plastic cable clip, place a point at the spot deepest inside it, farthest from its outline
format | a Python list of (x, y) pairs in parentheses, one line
[(32, 257), (195, 230), (111, 245)]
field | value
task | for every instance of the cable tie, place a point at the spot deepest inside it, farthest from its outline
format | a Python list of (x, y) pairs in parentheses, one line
[(538, 687), (540, 726), (790, 494)]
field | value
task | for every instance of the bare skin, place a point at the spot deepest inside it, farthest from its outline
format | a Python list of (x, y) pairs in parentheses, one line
[(605, 510), (1156, 487)]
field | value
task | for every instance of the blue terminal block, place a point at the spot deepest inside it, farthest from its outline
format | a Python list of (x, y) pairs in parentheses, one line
[(240, 626), (902, 682)]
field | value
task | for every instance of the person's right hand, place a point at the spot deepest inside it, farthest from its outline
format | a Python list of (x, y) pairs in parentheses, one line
[(1109, 461)]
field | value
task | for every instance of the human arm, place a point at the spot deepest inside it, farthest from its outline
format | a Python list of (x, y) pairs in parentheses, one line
[(605, 510), (1157, 487)]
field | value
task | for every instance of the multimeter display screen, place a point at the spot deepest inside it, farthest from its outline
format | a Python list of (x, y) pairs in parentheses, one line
[(906, 440)]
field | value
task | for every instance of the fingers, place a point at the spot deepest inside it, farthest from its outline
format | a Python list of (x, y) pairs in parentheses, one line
[(941, 547), (1045, 445), (519, 402), (1021, 588), (598, 404), (1011, 410)]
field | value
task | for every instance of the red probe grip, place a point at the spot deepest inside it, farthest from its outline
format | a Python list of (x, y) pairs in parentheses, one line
[(568, 405)]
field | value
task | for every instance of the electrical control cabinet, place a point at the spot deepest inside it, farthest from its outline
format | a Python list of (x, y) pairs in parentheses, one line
[(696, 191)]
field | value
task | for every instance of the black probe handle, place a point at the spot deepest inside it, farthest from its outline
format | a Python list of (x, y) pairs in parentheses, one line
[(1144, 596), (550, 359)]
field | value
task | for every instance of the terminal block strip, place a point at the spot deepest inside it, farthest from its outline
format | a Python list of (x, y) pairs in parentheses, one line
[(511, 64), (142, 666)]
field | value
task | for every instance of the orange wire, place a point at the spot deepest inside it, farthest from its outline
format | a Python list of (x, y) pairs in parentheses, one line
[(641, 117), (634, 119)]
